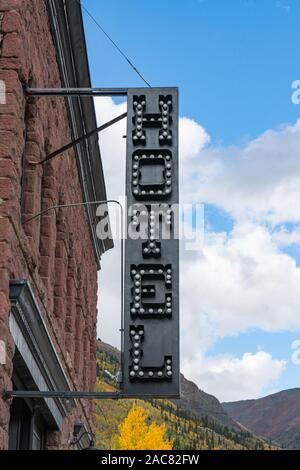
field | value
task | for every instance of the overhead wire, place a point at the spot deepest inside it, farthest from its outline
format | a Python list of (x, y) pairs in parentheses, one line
[(113, 42)]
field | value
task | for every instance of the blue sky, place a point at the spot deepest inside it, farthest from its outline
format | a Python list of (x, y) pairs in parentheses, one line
[(234, 63), (233, 60)]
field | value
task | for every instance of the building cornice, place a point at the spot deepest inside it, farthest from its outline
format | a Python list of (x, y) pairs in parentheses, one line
[(68, 34), (35, 347)]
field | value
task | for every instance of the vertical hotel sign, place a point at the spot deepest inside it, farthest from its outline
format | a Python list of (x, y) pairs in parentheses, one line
[(151, 297)]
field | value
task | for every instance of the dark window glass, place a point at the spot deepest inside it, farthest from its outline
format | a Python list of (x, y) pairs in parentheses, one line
[(20, 425), (27, 429)]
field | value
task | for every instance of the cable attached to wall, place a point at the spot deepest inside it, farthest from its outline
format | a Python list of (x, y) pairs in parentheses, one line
[(113, 42)]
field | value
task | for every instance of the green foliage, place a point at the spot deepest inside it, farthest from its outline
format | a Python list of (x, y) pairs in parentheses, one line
[(187, 432)]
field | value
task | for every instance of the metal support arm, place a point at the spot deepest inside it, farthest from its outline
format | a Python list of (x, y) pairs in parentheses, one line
[(38, 92), (80, 139), (76, 91), (78, 394), (62, 394)]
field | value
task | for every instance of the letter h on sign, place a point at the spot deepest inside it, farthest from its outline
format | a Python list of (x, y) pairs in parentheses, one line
[(151, 323)]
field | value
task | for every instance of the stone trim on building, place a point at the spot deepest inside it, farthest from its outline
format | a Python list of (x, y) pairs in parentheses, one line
[(33, 343), (53, 260), (68, 34)]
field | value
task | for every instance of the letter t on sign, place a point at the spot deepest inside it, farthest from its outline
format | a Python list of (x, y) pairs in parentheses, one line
[(151, 309)]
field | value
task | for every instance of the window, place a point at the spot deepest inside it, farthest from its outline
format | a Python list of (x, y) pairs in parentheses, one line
[(20, 425), (27, 429), (36, 366)]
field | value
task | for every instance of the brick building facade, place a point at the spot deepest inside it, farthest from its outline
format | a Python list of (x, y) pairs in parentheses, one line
[(48, 267)]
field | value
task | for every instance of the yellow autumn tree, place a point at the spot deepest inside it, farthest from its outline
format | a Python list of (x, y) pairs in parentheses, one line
[(136, 434)]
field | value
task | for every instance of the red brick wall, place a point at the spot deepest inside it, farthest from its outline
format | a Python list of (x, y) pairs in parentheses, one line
[(55, 252)]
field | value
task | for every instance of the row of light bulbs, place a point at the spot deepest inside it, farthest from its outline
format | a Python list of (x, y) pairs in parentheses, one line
[(136, 215), (165, 134), (137, 371), (139, 108), (168, 174), (136, 306)]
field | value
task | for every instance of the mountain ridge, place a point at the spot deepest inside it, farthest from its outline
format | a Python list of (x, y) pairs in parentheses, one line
[(196, 400), (275, 416), (195, 421)]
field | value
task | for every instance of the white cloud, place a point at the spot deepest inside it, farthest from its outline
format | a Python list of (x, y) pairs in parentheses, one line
[(242, 281), (230, 378), (113, 149), (259, 181), (238, 281), (112, 146), (109, 307), (192, 138), (285, 237)]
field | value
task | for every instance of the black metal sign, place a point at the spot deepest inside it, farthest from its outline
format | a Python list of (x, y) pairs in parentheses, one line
[(151, 292)]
